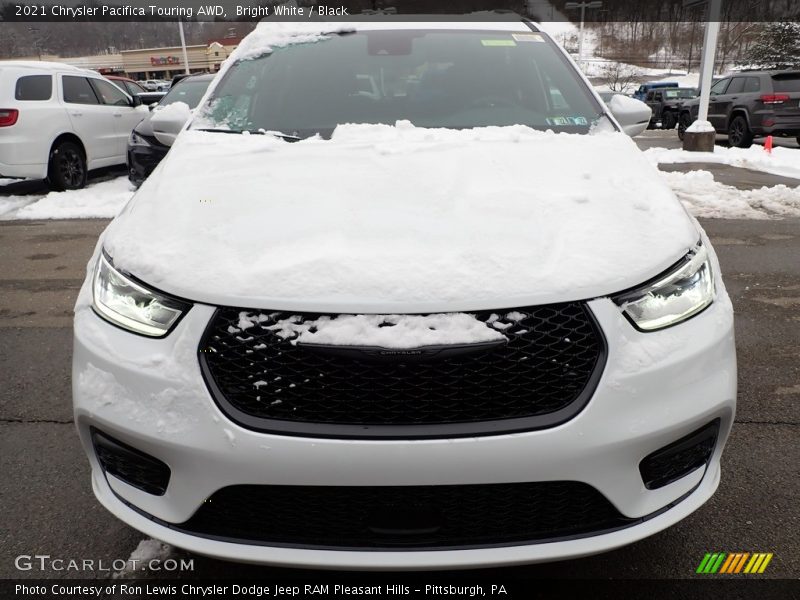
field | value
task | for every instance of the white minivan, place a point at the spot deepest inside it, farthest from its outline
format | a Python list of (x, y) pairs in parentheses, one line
[(58, 122), (456, 321)]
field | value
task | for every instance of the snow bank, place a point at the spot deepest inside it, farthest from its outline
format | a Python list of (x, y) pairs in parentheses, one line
[(782, 161), (704, 197), (385, 219), (384, 331), (98, 201), (148, 550)]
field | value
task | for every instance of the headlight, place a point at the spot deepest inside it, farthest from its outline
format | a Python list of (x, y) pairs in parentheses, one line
[(130, 305), (686, 290), (137, 140)]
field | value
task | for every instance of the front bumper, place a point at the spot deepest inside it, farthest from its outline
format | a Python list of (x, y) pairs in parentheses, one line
[(142, 160), (656, 388)]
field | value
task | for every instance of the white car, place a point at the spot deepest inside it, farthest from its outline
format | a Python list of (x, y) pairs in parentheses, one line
[(59, 122), (457, 321)]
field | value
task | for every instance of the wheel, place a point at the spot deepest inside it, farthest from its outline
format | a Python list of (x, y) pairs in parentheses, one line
[(739, 134), (66, 169), (683, 123), (669, 120)]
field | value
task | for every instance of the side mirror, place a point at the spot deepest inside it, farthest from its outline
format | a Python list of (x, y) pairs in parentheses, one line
[(136, 101), (632, 115), (168, 122)]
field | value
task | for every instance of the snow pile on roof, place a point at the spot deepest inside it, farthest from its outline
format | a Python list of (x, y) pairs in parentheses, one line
[(782, 161), (444, 220), (98, 201), (383, 331), (704, 197), (700, 127), (269, 35)]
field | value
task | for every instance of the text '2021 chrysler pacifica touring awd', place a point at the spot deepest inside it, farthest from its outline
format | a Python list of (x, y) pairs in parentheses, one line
[(403, 295)]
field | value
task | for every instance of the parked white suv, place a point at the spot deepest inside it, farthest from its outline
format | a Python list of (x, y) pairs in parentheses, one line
[(458, 320), (59, 122)]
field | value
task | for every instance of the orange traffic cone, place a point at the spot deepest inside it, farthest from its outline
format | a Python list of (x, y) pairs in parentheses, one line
[(768, 144)]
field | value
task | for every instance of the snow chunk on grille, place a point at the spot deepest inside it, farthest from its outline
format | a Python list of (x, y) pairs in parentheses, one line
[(388, 331)]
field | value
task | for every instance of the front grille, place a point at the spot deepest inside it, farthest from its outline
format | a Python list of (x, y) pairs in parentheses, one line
[(680, 458), (132, 466), (404, 516), (542, 376)]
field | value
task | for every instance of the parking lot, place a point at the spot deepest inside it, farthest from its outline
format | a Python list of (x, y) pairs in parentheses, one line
[(49, 508)]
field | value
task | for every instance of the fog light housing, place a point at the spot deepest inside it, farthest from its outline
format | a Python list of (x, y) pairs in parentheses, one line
[(130, 465), (679, 458)]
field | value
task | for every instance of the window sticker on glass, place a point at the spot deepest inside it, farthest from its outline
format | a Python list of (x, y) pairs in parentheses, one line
[(498, 42), (577, 120), (527, 37), (557, 121)]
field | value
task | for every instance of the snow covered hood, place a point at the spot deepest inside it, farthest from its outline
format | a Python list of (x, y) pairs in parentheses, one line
[(400, 219)]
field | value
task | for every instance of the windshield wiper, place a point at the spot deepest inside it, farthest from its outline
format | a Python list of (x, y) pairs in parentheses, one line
[(277, 134)]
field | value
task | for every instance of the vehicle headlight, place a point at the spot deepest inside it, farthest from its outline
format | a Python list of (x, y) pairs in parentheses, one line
[(130, 305), (137, 140), (674, 297)]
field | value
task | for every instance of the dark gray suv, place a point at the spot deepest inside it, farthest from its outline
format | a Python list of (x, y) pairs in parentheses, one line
[(751, 104)]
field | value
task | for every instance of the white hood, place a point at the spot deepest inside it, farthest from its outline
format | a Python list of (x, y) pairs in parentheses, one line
[(400, 219)]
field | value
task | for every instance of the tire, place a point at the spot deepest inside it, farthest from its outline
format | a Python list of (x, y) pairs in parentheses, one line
[(739, 134), (683, 123), (669, 120), (66, 169)]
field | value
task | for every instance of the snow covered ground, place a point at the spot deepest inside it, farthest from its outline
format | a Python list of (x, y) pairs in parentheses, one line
[(782, 161), (101, 200), (705, 197)]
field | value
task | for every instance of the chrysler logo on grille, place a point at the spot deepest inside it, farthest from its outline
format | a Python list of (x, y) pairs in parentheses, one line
[(374, 353)]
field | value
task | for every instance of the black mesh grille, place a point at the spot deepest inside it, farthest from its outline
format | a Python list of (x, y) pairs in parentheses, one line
[(130, 465), (546, 371), (405, 516)]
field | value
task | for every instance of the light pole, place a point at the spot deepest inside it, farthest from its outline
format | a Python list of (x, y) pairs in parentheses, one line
[(183, 48), (583, 6)]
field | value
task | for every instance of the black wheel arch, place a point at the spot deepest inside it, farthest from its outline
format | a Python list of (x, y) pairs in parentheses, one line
[(68, 137), (739, 111)]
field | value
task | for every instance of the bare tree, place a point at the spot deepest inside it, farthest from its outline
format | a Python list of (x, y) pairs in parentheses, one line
[(620, 77)]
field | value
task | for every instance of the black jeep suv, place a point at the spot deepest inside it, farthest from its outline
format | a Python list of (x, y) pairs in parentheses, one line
[(751, 104), (666, 104)]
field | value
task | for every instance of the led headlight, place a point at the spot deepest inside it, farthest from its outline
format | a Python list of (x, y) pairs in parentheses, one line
[(683, 292), (127, 303)]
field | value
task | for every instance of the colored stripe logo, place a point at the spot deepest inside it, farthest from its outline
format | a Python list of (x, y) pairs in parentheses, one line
[(734, 562)]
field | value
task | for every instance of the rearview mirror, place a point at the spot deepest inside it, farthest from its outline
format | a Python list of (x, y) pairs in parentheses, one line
[(632, 115), (168, 122)]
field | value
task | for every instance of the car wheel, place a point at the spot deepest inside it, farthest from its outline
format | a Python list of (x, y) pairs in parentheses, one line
[(669, 120), (66, 169), (683, 124), (739, 134)]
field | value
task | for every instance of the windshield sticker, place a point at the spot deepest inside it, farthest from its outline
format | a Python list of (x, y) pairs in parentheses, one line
[(558, 121), (527, 37), (498, 42)]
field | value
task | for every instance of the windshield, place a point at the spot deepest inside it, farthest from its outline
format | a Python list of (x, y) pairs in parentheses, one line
[(672, 94), (433, 78), (188, 91)]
